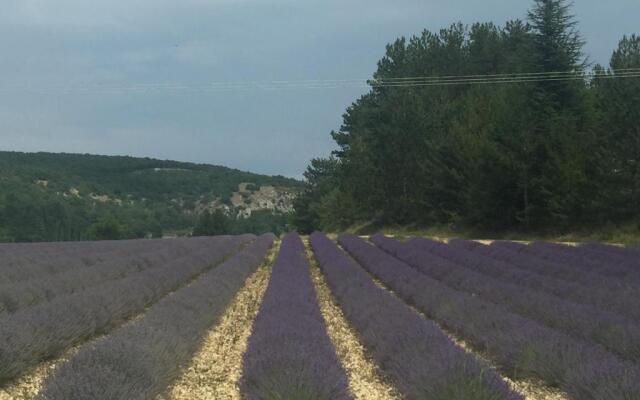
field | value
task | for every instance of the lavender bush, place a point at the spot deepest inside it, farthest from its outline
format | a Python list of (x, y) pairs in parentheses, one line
[(141, 359), (289, 354), (24, 261), (584, 264), (45, 330), (521, 347), (602, 259), (130, 257), (564, 266), (627, 252), (613, 295), (461, 270), (422, 361)]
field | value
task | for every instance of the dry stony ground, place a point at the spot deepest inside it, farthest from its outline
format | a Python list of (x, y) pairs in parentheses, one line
[(216, 367), (214, 370)]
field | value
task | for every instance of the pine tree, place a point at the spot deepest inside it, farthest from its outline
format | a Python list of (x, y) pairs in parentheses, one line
[(557, 46), (212, 224), (619, 133), (559, 138), (557, 40)]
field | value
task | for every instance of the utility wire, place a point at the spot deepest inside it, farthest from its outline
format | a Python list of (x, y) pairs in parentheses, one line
[(513, 75), (400, 82)]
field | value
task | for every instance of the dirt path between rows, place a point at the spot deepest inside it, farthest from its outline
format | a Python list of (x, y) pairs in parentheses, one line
[(28, 385), (215, 369), (530, 389), (366, 381)]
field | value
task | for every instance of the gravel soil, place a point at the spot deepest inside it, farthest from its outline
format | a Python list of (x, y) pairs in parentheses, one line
[(215, 369), (366, 381)]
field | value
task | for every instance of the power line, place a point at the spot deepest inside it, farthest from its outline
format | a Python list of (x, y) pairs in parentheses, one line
[(446, 82), (520, 74), (398, 82)]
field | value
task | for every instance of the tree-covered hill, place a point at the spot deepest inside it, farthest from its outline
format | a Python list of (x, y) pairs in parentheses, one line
[(502, 129), (46, 196)]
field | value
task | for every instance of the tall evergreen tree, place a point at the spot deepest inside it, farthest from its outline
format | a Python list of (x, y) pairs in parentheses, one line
[(618, 100), (557, 140), (557, 40), (212, 224), (493, 157)]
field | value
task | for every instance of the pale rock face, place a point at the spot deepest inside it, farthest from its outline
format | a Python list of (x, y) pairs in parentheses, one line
[(264, 198), (248, 199)]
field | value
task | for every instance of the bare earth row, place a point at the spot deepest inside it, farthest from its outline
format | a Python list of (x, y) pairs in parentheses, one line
[(228, 319)]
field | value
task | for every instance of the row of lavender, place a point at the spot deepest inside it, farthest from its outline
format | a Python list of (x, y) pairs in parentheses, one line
[(289, 354), (31, 254), (627, 252), (422, 361), (581, 259), (620, 296), (596, 255), (520, 346), (64, 277), (510, 287), (24, 261), (45, 330), (139, 360)]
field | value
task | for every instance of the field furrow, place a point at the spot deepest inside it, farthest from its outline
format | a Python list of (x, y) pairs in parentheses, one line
[(456, 270), (140, 360), (35, 334), (627, 252), (22, 262), (601, 259), (531, 389), (584, 265), (615, 295), (29, 384), (17, 295), (422, 361), (214, 370), (289, 353), (366, 380), (519, 346)]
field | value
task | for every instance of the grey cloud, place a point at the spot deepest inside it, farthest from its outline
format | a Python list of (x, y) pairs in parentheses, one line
[(47, 45)]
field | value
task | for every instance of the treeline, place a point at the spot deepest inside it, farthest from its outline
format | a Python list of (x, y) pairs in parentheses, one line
[(60, 197), (551, 154), (259, 222), (29, 213)]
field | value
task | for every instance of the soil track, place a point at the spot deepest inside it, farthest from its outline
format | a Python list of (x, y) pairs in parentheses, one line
[(215, 369), (366, 381)]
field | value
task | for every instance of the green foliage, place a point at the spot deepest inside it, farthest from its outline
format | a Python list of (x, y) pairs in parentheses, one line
[(259, 222), (107, 228), (212, 224), (547, 156), (48, 197), (618, 154), (262, 221)]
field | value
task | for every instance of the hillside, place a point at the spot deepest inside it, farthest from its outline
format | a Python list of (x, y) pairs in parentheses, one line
[(46, 196)]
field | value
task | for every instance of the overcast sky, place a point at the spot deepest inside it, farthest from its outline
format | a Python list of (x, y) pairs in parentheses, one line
[(70, 70)]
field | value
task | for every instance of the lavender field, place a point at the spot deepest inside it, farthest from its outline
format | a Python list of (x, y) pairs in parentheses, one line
[(312, 318)]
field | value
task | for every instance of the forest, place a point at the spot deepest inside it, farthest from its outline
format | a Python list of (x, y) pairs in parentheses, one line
[(61, 197), (538, 156)]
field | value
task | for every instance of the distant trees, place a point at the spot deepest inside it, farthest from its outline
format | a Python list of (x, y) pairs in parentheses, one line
[(217, 222), (212, 224), (23, 218), (108, 228), (48, 197), (618, 126), (550, 154)]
